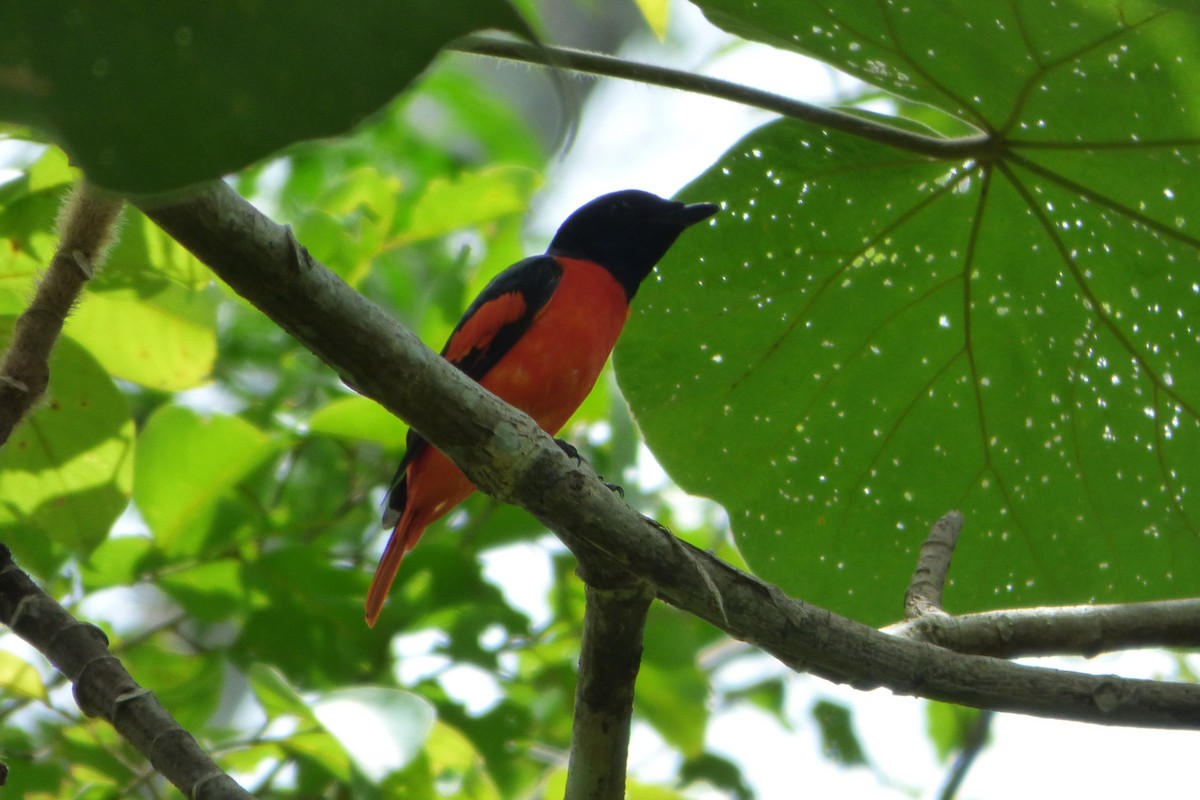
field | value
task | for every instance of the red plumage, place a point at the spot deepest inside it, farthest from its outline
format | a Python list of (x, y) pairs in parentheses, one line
[(537, 337)]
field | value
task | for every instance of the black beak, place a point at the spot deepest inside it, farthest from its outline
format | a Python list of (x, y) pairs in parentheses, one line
[(697, 212)]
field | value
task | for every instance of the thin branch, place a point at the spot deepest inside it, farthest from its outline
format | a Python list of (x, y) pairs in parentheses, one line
[(609, 657), (87, 227), (976, 740), (598, 64), (924, 595), (1069, 630), (508, 456), (102, 687)]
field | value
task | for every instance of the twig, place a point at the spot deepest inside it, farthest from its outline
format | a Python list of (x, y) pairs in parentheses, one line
[(924, 595), (87, 227), (102, 687), (976, 740), (598, 64), (508, 456)]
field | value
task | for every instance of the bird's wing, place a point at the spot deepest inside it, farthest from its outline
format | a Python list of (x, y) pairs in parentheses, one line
[(489, 328), (501, 314)]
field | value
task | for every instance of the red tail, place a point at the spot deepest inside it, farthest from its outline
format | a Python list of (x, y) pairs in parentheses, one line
[(404, 538)]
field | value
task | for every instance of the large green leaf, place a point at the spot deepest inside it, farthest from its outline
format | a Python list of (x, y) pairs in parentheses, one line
[(165, 340), (67, 471), (152, 99), (141, 316), (186, 464), (867, 338), (357, 417), (472, 198)]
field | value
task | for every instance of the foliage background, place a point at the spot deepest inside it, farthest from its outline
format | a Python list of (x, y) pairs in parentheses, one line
[(234, 588)]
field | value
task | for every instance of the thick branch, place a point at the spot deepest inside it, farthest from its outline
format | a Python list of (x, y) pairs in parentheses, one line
[(102, 687), (86, 227), (509, 457), (610, 66)]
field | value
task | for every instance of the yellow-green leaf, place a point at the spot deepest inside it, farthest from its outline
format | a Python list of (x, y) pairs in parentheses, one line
[(67, 471), (357, 417), (19, 678), (186, 462), (657, 15), (471, 199), (166, 341)]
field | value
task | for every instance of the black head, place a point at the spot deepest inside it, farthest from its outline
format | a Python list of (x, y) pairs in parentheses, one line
[(626, 233)]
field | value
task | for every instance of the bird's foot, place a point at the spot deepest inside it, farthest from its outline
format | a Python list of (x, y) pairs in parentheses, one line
[(569, 449), (573, 452), (614, 487), (658, 525)]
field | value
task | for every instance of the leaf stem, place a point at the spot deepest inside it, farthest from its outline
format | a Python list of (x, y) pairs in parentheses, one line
[(956, 149)]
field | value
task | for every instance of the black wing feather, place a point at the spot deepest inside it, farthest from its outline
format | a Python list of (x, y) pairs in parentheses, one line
[(535, 278)]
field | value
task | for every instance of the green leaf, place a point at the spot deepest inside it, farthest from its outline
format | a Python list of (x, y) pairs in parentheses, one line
[(673, 701), (36, 775), (301, 582), (186, 463), (166, 340), (838, 739), (459, 767), (472, 198), (950, 727), (321, 748), (672, 692), (503, 134), (187, 682), (274, 693), (972, 62), (92, 756), (210, 591), (144, 256), (768, 695), (19, 678), (867, 338), (137, 317), (349, 220), (657, 14), (717, 771), (118, 561), (66, 473), (356, 417), (382, 729), (29, 205), (149, 102), (635, 790)]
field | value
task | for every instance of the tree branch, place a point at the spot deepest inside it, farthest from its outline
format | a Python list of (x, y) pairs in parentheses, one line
[(87, 226), (1064, 630), (102, 687), (1072, 630), (507, 456), (924, 595), (609, 657), (598, 64)]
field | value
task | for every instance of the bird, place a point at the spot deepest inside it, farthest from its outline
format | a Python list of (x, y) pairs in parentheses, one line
[(537, 337)]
